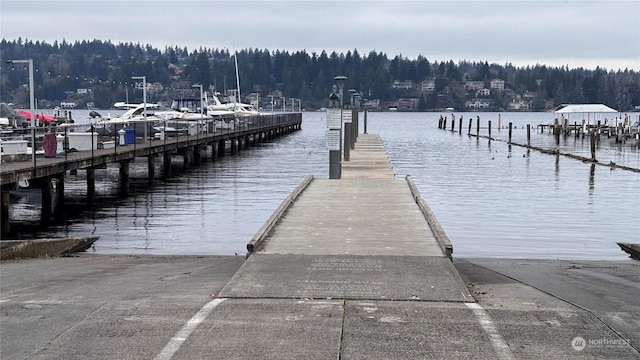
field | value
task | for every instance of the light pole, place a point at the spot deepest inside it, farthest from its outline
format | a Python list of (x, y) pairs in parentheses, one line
[(347, 126), (335, 168), (31, 106), (144, 102), (201, 108)]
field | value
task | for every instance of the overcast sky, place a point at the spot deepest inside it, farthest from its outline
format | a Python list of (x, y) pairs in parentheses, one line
[(573, 33)]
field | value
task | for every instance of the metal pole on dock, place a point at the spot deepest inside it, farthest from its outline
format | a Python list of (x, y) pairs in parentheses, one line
[(144, 104), (32, 106)]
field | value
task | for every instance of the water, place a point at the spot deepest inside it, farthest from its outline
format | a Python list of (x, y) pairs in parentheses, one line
[(491, 200)]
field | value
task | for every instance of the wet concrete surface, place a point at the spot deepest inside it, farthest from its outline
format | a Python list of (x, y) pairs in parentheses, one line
[(161, 307)]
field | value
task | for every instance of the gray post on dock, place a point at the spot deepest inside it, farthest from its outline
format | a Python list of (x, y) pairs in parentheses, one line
[(347, 136), (365, 121), (333, 135)]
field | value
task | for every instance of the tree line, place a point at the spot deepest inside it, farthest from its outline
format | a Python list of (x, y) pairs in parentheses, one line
[(106, 69)]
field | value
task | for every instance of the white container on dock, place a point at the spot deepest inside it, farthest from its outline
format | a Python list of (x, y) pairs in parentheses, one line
[(83, 141), (108, 144), (13, 150)]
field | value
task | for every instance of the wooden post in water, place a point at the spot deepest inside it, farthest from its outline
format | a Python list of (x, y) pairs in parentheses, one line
[(478, 126), (444, 124), (91, 182), (556, 133), (151, 169), (510, 131), (592, 136), (470, 123), (528, 135), (221, 147), (46, 190), (166, 164), (124, 177), (365, 121), (4, 213), (440, 122), (59, 179), (453, 124), (489, 130)]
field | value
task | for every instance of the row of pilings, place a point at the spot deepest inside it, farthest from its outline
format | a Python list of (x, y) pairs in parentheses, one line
[(593, 133), (50, 180)]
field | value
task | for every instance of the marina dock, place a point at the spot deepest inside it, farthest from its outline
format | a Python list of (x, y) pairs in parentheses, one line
[(350, 268), (43, 171)]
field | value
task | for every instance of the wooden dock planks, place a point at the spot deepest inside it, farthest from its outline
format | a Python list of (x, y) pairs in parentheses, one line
[(367, 212)]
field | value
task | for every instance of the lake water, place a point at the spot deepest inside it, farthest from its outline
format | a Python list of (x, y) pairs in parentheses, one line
[(491, 199)]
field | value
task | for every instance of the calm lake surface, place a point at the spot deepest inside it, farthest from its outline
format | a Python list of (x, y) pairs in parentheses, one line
[(491, 199)]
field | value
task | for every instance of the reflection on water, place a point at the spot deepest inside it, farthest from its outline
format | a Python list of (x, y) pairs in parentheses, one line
[(491, 198)]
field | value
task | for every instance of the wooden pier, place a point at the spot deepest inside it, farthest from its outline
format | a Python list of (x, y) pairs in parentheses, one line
[(42, 171), (367, 235)]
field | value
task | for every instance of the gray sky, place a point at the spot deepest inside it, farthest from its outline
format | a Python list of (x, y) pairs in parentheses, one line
[(573, 33)]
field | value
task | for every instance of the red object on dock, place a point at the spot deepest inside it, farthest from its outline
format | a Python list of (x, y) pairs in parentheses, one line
[(50, 145), (39, 117)]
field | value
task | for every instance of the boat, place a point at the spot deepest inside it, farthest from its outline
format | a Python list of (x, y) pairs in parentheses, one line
[(136, 117), (12, 119), (632, 249), (42, 118), (232, 102), (186, 105), (227, 105)]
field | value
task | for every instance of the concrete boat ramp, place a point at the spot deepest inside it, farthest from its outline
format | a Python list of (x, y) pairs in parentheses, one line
[(355, 268)]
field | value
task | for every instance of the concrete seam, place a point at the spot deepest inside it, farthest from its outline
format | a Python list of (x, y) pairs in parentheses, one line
[(183, 334), (499, 345), (344, 318)]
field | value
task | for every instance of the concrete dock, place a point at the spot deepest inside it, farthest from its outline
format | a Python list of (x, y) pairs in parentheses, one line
[(351, 270)]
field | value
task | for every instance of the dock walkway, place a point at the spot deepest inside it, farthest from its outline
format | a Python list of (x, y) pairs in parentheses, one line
[(360, 237)]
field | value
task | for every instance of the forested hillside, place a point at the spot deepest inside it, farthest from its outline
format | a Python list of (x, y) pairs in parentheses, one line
[(105, 70)]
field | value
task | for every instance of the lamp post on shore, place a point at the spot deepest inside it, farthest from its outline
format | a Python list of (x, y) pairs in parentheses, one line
[(31, 106), (144, 102)]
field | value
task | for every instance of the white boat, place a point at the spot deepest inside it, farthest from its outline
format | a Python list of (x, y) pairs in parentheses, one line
[(222, 106), (231, 103), (136, 117), (186, 105)]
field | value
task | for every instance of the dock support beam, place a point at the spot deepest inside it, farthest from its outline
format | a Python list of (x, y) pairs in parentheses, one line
[(167, 164), (234, 145), (197, 155), (221, 147), (4, 212), (59, 189), (46, 189), (91, 184), (151, 169), (124, 177)]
